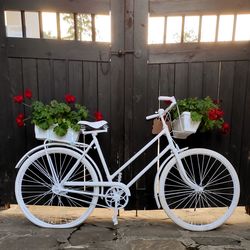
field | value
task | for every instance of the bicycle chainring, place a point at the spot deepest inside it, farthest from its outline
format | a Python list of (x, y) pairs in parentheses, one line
[(116, 197)]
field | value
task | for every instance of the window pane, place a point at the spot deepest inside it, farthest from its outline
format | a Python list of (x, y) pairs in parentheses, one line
[(208, 28), (155, 30), (49, 25), (226, 28), (174, 26), (84, 27), (13, 23), (67, 27), (103, 28), (191, 29), (242, 32), (32, 24)]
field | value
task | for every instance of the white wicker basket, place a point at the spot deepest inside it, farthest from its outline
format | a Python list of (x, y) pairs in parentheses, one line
[(184, 126), (71, 135)]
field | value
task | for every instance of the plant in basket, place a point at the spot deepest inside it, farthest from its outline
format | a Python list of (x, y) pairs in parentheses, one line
[(54, 120), (204, 114)]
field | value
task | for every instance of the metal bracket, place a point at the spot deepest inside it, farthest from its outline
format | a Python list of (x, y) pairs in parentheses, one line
[(120, 53)]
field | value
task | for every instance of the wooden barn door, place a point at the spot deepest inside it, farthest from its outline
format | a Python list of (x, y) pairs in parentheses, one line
[(93, 71), (217, 69)]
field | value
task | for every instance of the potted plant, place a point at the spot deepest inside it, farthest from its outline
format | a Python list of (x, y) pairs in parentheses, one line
[(55, 120), (191, 114)]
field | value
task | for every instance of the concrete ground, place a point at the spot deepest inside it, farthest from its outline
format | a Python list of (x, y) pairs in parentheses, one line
[(149, 230)]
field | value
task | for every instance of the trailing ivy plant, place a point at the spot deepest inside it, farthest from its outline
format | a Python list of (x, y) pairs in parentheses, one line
[(205, 110)]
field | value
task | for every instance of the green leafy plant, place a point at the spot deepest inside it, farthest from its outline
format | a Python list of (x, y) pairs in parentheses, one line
[(57, 115), (205, 110)]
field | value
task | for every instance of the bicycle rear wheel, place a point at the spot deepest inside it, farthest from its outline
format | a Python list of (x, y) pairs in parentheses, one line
[(39, 195), (209, 207)]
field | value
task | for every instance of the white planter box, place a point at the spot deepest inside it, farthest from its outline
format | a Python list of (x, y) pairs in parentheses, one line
[(71, 135), (184, 126)]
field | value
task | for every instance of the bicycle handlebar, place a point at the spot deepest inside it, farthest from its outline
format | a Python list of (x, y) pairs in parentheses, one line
[(171, 99)]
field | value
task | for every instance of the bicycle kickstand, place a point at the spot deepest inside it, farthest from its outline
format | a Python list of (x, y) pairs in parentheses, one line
[(114, 217)]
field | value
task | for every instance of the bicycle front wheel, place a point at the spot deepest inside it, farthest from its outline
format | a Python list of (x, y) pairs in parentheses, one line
[(209, 207), (40, 194)]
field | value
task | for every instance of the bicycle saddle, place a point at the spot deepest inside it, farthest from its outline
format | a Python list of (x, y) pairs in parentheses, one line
[(95, 125)]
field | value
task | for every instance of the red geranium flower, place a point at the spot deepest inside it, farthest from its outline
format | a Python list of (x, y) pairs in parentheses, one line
[(21, 116), (225, 128), (215, 114), (219, 113), (18, 98), (98, 116), (19, 122), (28, 93), (70, 98), (212, 115)]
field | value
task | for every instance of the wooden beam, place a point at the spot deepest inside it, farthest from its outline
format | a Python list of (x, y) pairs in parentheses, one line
[(173, 53), (180, 7), (58, 49), (76, 6)]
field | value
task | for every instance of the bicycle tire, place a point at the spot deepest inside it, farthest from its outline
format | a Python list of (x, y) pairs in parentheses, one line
[(37, 194), (208, 208)]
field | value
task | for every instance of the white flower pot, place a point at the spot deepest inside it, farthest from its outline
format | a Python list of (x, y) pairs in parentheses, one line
[(41, 134), (184, 126)]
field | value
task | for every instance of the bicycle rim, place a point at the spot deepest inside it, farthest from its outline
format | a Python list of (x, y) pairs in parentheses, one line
[(209, 207), (37, 192)]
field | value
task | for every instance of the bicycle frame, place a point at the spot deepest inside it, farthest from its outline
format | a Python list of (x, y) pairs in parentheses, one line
[(110, 177)]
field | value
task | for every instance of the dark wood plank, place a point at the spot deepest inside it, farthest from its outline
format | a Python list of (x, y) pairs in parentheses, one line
[(153, 90), (195, 77), (211, 79), (45, 80), (90, 81), (140, 91), (60, 81), (171, 7), (128, 93), (245, 150), (16, 83), (199, 52), (86, 6), (7, 161), (117, 86), (129, 80), (76, 83), (104, 105), (226, 97), (181, 80), (237, 120), (29, 69), (57, 49), (167, 79)]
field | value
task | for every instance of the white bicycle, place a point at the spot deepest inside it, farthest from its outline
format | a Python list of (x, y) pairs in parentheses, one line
[(58, 184)]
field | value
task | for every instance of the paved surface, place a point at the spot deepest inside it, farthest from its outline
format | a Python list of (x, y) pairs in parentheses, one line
[(150, 230)]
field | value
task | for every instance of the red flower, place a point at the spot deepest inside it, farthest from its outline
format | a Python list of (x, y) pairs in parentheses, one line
[(219, 113), (168, 102), (21, 116), (70, 98), (18, 98), (28, 93), (215, 114), (212, 115), (225, 128), (19, 121), (98, 116)]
